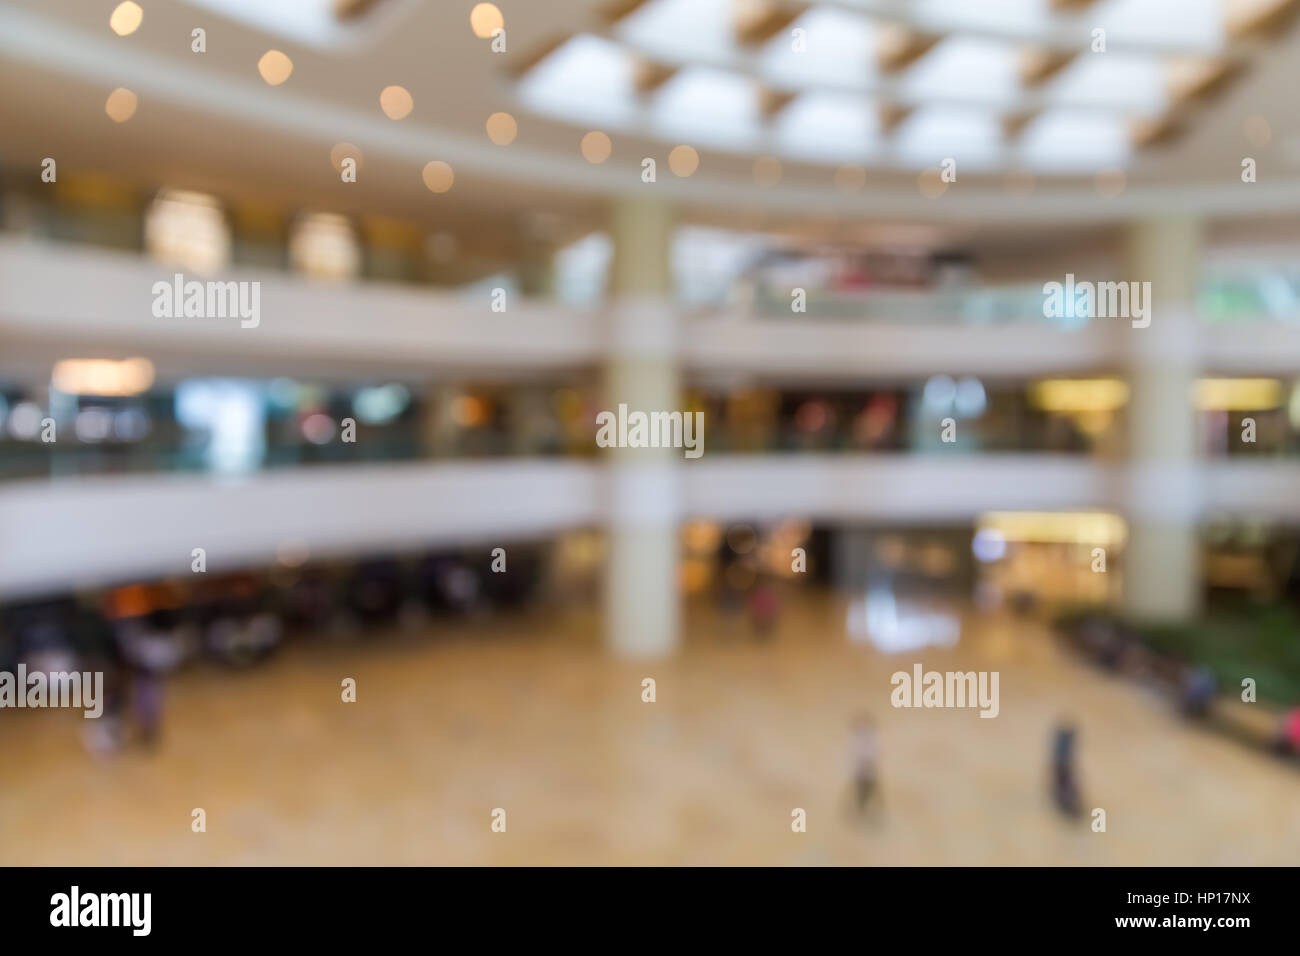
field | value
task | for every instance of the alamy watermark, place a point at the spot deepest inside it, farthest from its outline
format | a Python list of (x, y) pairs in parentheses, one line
[(130, 910), (626, 429), (1106, 300), (84, 690), (947, 689), (208, 300)]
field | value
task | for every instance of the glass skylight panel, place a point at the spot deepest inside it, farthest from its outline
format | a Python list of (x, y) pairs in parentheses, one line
[(828, 128), (309, 21), (710, 107), (693, 29), (1192, 23), (966, 69), (1016, 18), (829, 88), (839, 51), (1063, 141), (1117, 81), (932, 134), (587, 78)]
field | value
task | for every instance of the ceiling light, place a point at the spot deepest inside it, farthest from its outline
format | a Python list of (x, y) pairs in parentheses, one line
[(275, 67), (396, 102), (683, 161), (1238, 394), (502, 128), (342, 151), (107, 377), (121, 105), (438, 176), (596, 147), (1079, 394), (126, 18), (484, 18)]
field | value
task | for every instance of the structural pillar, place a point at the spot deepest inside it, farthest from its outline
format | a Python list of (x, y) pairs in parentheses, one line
[(642, 612), (1162, 566)]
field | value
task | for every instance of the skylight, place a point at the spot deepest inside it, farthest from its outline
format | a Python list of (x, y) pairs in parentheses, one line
[(1014, 18), (588, 78), (1195, 24), (708, 106), (935, 133), (828, 128), (1061, 86), (309, 21), (1062, 141), (837, 49), (696, 29), (966, 68), (1117, 81), (312, 22)]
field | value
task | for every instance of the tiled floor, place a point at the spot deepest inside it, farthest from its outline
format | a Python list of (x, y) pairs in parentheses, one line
[(530, 716)]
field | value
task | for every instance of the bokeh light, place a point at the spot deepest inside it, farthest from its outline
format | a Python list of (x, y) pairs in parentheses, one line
[(438, 176), (126, 18), (596, 147), (484, 18), (121, 105), (275, 67), (683, 161), (502, 128), (396, 102)]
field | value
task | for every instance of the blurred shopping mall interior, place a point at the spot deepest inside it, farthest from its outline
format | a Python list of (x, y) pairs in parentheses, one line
[(433, 240)]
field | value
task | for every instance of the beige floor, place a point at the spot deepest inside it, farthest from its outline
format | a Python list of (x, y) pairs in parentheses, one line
[(529, 715)]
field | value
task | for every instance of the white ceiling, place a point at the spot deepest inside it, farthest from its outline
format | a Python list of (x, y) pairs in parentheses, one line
[(208, 121)]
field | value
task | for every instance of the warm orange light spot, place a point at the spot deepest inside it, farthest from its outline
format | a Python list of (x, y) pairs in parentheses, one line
[(275, 67), (438, 176), (126, 18), (396, 102), (484, 18), (342, 151), (683, 161), (502, 128), (121, 105), (596, 147)]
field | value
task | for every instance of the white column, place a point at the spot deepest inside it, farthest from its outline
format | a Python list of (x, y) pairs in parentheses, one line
[(1162, 572), (641, 594)]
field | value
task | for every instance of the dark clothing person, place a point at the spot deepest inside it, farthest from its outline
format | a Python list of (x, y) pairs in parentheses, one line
[(1065, 783), (1199, 686)]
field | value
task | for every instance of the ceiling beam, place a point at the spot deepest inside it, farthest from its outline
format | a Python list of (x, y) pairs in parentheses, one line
[(1145, 133), (351, 9), (613, 11), (1038, 64), (892, 115), (1264, 19), (900, 46), (1195, 78), (1014, 124), (649, 75), (757, 21), (517, 66), (771, 102)]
